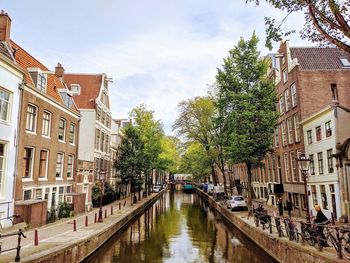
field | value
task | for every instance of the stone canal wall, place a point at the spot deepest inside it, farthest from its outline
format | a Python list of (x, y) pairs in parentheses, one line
[(280, 249), (85, 246)]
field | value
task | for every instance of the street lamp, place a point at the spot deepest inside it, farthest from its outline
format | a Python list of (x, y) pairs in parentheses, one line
[(304, 162), (101, 178)]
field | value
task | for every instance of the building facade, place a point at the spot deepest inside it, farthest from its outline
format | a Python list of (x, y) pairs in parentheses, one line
[(91, 94), (11, 80)]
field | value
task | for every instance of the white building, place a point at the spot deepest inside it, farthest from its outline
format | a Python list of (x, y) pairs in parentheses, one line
[(11, 77), (322, 132)]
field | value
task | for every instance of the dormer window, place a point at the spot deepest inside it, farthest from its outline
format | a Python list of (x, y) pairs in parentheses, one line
[(345, 62), (75, 89), (41, 82)]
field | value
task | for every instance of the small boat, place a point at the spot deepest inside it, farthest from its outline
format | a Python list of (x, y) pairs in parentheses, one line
[(188, 188)]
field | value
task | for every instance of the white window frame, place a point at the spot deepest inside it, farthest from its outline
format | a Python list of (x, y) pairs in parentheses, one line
[(9, 104), (44, 121), (27, 178), (64, 130), (47, 164), (34, 121), (3, 170), (41, 85), (294, 95), (31, 193), (290, 131), (281, 103), (285, 75), (297, 128), (74, 133), (61, 168), (286, 166), (71, 166), (284, 135), (287, 101), (35, 193), (293, 166)]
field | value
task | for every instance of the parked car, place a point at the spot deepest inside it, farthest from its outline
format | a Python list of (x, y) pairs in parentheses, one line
[(157, 188), (236, 202), (210, 189)]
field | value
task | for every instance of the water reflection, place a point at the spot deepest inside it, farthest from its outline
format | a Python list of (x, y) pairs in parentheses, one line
[(179, 228)]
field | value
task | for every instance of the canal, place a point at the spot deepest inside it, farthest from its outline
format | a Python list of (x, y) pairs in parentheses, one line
[(179, 228)]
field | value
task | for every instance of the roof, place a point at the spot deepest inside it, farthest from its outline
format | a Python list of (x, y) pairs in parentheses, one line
[(90, 85), (25, 60), (318, 58), (5, 50)]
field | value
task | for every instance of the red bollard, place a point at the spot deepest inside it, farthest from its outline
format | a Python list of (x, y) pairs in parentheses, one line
[(120, 206), (95, 217), (86, 221), (106, 213), (36, 237), (111, 209), (74, 225)]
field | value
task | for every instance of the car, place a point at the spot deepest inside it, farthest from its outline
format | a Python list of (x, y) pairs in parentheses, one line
[(157, 188), (236, 202)]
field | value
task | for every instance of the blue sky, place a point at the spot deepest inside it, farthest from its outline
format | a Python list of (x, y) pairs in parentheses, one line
[(159, 52)]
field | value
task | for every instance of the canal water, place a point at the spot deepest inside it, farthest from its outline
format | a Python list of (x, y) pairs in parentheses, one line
[(179, 228)]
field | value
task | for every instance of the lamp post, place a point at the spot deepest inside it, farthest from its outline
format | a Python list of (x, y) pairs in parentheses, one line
[(101, 178), (304, 162)]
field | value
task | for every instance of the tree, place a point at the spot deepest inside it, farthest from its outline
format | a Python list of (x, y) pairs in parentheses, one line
[(326, 21), (130, 159), (195, 161), (195, 123), (247, 102), (169, 157), (151, 133)]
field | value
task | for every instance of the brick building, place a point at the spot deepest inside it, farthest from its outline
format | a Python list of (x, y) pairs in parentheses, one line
[(91, 94)]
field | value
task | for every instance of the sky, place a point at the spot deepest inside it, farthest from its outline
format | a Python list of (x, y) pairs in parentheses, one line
[(158, 52)]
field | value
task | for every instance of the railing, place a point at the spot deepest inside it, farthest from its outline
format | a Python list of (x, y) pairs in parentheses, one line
[(317, 235), (20, 234)]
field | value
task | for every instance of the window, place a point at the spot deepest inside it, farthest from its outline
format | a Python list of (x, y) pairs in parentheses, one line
[(330, 161), (314, 194), (293, 91), (97, 142), (297, 129), (102, 141), (69, 189), (334, 91), (70, 163), (31, 118), (276, 137), (38, 194), (60, 194), (27, 194), (98, 114), (28, 162), (43, 164), (61, 129), (323, 197), (312, 164), (72, 133), (59, 165), (47, 192), (309, 136), (284, 136), (345, 62), (318, 133), (281, 100), (290, 131), (293, 166), (328, 129), (320, 162), (286, 167), (2, 163), (46, 123), (287, 99), (283, 60), (285, 75), (4, 105), (41, 84), (103, 117), (107, 144)]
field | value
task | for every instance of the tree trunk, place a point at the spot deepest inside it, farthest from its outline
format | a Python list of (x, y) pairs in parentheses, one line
[(249, 173), (213, 173), (223, 174)]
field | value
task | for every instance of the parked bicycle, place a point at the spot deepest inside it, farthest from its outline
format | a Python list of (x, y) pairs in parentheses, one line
[(291, 229), (339, 237)]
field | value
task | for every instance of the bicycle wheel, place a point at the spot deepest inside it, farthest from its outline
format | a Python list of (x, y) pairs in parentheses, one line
[(345, 247), (310, 240)]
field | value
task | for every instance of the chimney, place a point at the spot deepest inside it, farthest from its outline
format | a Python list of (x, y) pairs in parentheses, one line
[(5, 27), (59, 71)]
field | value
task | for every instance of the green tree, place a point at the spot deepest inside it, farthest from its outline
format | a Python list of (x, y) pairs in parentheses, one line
[(195, 123), (169, 157), (151, 134), (247, 101), (130, 159), (326, 22), (195, 161)]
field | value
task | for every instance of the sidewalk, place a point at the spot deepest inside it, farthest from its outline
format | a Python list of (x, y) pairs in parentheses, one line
[(61, 231)]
